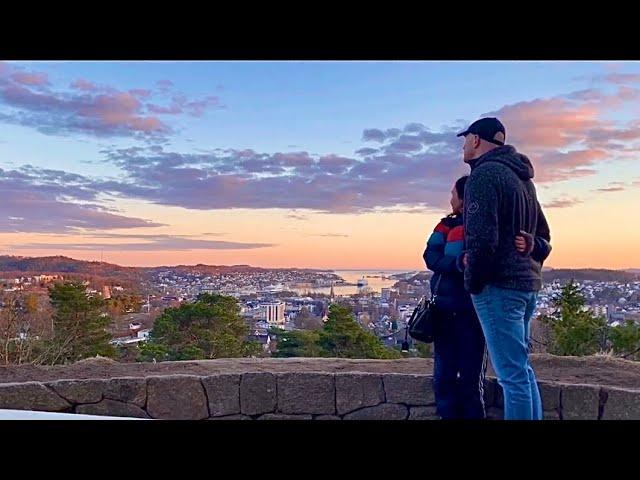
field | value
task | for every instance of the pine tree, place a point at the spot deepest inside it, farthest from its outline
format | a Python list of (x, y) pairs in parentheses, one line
[(575, 330), (79, 326), (342, 337), (296, 343), (209, 328), (625, 340)]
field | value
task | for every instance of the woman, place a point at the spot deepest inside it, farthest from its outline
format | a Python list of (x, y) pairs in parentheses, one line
[(460, 357)]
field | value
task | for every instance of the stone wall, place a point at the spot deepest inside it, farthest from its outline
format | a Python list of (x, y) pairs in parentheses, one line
[(295, 396)]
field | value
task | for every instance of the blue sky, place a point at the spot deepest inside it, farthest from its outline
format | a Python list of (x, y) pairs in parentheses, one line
[(207, 138)]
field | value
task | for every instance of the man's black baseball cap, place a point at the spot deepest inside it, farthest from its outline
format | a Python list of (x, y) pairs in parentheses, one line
[(489, 129)]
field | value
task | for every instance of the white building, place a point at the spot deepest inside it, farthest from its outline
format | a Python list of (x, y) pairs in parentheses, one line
[(601, 311), (273, 312)]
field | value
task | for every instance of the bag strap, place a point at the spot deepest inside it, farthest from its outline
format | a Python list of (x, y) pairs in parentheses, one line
[(435, 290)]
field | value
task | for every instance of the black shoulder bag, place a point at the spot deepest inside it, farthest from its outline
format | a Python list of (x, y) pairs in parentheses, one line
[(423, 322)]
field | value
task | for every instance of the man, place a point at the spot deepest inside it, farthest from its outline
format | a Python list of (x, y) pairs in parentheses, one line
[(500, 203)]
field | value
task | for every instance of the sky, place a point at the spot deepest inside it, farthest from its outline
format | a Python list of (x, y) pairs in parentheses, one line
[(304, 164)]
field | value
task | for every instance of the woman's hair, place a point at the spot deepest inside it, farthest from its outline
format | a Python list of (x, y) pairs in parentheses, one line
[(460, 183)]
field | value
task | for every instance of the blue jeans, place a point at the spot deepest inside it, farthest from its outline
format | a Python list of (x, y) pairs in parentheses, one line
[(505, 315)]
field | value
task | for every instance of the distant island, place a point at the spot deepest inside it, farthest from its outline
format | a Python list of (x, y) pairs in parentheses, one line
[(595, 274), (561, 274)]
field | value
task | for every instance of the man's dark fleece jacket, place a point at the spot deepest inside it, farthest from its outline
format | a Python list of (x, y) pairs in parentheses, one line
[(499, 201)]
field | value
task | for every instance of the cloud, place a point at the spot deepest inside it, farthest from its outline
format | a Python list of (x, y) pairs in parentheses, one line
[(373, 135), (392, 133), (85, 85), (377, 135), (613, 78), (546, 123), (140, 92), (405, 143), (613, 187), (553, 166), (330, 235), (87, 108), (569, 135), (290, 180), (563, 203), (164, 84), (297, 217), (181, 104), (366, 151), (30, 79), (411, 169), (414, 127), (37, 200), (148, 243), (110, 114)]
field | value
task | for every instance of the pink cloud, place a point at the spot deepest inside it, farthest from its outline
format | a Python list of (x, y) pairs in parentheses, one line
[(563, 203), (334, 164), (140, 92), (547, 123), (19, 96), (119, 103), (607, 134), (147, 124), (621, 97), (293, 159), (622, 78), (567, 136), (613, 187), (31, 79), (180, 104), (556, 166), (81, 84), (108, 113), (159, 109), (196, 108)]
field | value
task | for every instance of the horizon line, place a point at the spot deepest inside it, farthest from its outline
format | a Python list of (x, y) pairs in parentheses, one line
[(381, 269)]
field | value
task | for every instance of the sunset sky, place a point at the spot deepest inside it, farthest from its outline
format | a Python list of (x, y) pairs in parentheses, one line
[(304, 164)]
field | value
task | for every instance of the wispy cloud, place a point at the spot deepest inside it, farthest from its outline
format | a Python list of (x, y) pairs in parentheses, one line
[(294, 216), (563, 203), (41, 200), (146, 243), (613, 78), (613, 187)]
